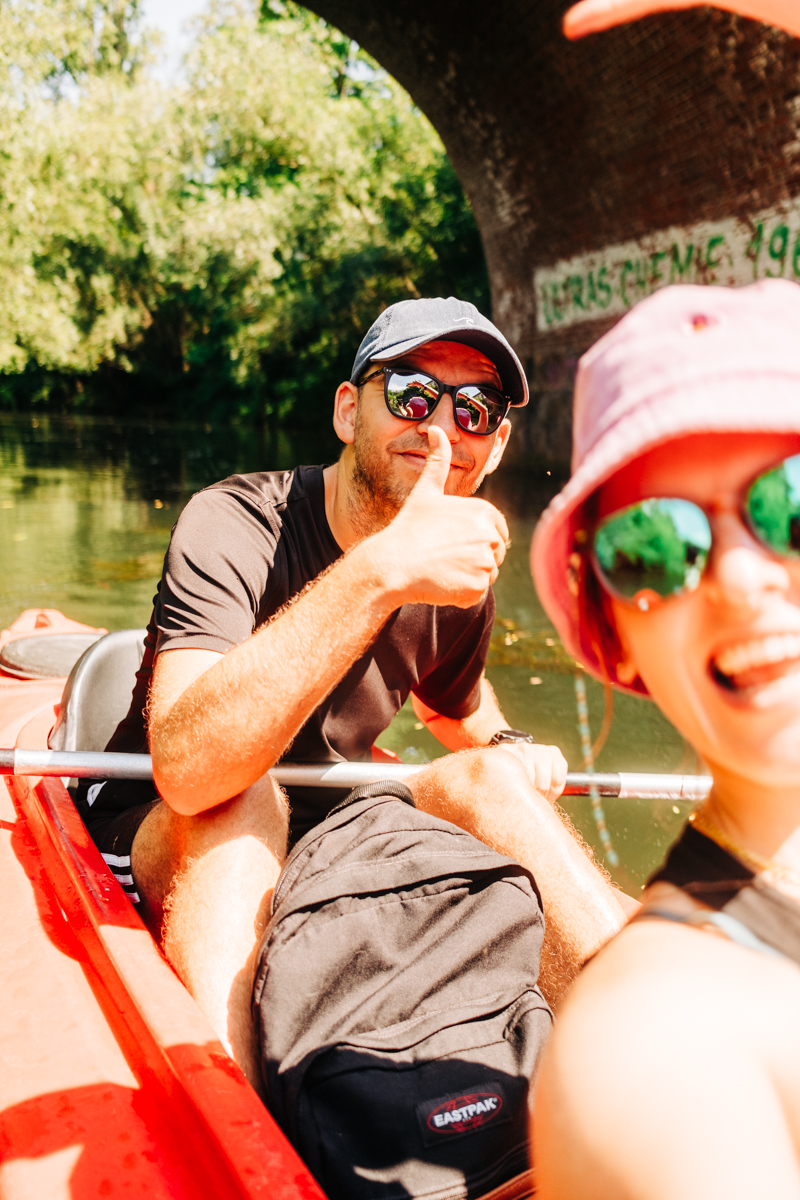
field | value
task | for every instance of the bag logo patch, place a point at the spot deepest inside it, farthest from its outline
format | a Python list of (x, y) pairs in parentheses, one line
[(467, 1112), (462, 1112)]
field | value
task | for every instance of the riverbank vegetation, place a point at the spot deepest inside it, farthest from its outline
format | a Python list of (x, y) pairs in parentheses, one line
[(214, 249)]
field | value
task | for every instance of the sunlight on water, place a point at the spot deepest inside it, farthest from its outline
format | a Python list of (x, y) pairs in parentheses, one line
[(86, 510)]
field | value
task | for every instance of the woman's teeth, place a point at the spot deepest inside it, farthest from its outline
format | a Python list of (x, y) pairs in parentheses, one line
[(761, 652)]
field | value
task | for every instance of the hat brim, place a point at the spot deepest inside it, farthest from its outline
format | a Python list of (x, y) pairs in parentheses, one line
[(735, 404), (508, 365)]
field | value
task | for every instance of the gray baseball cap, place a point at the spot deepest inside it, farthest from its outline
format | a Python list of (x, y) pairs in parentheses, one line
[(411, 323)]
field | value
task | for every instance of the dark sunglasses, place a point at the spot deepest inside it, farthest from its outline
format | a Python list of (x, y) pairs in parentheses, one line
[(413, 395), (659, 547)]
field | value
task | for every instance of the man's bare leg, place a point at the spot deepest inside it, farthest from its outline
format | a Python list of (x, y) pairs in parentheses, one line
[(489, 794), (206, 881), (205, 884)]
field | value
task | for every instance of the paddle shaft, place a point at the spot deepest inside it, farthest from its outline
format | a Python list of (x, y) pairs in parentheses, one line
[(92, 765)]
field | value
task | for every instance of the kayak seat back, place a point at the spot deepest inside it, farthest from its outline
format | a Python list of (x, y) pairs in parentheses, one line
[(98, 692)]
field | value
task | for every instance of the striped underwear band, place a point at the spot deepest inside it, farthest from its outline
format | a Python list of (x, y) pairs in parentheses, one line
[(118, 864)]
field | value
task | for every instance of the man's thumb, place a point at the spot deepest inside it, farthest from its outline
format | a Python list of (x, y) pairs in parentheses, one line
[(437, 464)]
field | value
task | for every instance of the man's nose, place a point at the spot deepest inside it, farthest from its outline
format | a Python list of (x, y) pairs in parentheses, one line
[(443, 416), (741, 572)]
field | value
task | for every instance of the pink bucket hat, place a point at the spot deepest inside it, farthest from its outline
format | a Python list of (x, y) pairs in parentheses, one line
[(686, 360)]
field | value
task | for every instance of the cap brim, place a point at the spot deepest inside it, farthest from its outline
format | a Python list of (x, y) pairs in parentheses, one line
[(508, 365)]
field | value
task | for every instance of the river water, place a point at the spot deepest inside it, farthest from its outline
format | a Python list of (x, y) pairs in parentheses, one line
[(86, 508)]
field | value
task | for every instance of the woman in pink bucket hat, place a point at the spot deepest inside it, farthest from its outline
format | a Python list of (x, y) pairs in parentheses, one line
[(670, 565)]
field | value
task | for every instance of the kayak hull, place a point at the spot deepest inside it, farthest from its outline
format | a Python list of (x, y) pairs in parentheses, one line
[(113, 1084)]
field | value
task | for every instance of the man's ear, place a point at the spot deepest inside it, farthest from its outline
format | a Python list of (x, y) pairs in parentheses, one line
[(500, 441), (345, 404)]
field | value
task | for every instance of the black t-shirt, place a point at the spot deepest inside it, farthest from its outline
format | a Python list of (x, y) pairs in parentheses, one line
[(239, 552)]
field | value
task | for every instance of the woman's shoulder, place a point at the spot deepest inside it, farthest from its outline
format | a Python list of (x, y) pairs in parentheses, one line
[(673, 1070), (679, 979)]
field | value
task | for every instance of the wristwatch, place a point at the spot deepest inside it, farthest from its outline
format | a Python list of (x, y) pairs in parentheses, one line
[(503, 736)]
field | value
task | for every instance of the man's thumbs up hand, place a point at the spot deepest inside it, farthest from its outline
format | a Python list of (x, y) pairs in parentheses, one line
[(441, 549), (437, 464)]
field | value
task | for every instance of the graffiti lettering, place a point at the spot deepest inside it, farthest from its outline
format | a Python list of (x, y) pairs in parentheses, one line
[(611, 281), (778, 244), (679, 269)]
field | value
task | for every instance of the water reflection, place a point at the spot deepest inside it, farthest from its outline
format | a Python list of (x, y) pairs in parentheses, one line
[(86, 508)]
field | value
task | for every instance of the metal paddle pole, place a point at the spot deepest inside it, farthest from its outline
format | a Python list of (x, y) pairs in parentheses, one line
[(76, 764), (84, 764)]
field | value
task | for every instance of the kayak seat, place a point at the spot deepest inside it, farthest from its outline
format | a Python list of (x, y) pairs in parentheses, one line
[(98, 692), (47, 656)]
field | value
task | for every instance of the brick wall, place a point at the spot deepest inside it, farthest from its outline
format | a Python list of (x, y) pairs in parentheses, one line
[(565, 149)]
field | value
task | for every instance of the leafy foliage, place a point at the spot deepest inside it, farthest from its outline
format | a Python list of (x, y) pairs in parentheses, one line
[(214, 249)]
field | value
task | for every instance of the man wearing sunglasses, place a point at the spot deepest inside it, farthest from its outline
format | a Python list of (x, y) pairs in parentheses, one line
[(297, 612)]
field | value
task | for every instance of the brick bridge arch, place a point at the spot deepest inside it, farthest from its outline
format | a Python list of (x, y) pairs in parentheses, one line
[(677, 131)]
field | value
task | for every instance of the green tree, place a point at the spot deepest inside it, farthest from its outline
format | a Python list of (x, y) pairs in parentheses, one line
[(215, 249)]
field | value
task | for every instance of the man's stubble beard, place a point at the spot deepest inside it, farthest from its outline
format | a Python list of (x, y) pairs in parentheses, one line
[(375, 498)]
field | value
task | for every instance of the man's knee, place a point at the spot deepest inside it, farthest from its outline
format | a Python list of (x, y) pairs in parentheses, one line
[(261, 811), (491, 766), (478, 769), (452, 785)]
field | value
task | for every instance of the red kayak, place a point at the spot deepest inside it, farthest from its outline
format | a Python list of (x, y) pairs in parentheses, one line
[(112, 1083)]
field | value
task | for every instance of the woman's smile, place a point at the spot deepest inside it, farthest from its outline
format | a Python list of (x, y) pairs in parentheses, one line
[(748, 664)]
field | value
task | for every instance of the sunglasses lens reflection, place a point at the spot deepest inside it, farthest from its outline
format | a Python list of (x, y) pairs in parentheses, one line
[(413, 397), (657, 546), (773, 507), (415, 407), (478, 411)]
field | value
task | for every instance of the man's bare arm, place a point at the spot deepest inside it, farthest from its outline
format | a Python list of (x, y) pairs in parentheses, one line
[(213, 735), (468, 732), (546, 765)]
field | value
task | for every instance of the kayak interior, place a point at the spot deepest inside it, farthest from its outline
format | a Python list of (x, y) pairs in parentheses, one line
[(205, 1131)]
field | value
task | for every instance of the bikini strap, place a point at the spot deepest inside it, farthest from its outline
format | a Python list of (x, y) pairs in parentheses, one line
[(732, 929)]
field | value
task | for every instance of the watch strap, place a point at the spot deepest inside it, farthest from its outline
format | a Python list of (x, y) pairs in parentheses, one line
[(511, 735)]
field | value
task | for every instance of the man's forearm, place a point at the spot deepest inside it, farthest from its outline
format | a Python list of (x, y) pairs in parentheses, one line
[(233, 723), (469, 732)]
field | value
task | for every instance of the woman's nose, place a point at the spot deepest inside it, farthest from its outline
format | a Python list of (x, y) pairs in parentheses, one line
[(741, 571)]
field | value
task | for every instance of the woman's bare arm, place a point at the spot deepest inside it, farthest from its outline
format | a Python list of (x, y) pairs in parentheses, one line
[(672, 1075)]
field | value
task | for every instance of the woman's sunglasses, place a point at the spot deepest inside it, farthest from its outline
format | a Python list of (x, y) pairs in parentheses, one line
[(659, 547), (413, 395)]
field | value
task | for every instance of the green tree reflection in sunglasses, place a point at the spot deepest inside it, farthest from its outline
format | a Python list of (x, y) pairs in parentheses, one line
[(773, 503), (664, 541)]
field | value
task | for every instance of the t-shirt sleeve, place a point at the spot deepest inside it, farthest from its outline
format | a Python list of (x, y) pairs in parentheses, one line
[(215, 573), (453, 687)]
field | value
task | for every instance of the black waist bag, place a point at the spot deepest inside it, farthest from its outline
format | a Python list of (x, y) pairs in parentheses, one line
[(396, 1004)]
